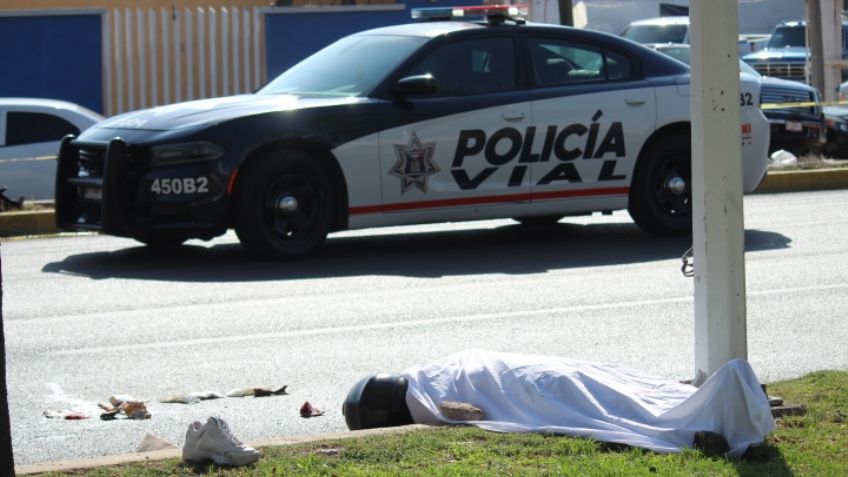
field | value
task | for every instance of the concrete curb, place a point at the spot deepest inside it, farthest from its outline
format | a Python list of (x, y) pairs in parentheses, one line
[(28, 222), (41, 222), (113, 460), (796, 181)]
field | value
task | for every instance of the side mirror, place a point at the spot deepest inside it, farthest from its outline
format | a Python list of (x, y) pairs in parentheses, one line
[(418, 84)]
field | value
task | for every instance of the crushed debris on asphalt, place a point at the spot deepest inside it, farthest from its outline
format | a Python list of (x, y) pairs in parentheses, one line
[(308, 410)]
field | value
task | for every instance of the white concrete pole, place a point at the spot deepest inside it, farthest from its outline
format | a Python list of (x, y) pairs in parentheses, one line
[(717, 222)]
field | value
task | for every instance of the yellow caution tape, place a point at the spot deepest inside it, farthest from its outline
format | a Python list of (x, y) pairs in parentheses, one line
[(804, 104), (27, 159)]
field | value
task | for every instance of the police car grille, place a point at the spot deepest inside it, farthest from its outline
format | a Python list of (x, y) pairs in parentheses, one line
[(794, 71), (93, 158), (90, 212), (778, 95), (91, 161)]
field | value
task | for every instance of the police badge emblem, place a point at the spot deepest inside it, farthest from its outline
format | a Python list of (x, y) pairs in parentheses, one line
[(414, 164)]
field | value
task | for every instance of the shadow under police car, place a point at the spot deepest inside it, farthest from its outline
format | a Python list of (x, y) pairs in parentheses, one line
[(506, 249)]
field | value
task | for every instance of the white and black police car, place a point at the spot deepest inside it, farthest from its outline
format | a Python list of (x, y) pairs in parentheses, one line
[(426, 122)]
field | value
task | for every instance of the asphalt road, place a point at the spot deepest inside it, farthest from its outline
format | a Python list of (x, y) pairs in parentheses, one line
[(88, 316)]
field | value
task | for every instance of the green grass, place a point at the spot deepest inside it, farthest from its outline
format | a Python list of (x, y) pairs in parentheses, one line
[(814, 444)]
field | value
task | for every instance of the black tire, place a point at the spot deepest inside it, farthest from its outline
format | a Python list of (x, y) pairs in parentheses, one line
[(538, 220), (283, 205), (661, 190)]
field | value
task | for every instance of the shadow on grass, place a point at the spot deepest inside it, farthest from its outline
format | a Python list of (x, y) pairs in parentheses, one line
[(758, 461), (764, 459), (209, 468)]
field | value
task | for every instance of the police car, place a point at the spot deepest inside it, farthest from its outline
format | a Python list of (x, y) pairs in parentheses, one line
[(427, 122)]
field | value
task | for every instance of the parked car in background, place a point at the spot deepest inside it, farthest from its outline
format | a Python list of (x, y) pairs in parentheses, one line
[(677, 51), (842, 91), (751, 42), (675, 30), (30, 131), (799, 129), (786, 54), (658, 30), (836, 119)]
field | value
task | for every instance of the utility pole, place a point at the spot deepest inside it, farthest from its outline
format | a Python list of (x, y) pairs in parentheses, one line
[(566, 13), (718, 235)]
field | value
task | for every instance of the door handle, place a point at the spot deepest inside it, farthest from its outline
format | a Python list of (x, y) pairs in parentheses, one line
[(513, 115), (634, 102)]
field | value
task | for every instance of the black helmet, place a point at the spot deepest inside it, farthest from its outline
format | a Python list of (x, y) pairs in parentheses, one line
[(378, 400)]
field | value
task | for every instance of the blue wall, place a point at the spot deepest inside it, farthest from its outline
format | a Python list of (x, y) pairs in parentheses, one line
[(60, 56), (291, 37), (56, 56)]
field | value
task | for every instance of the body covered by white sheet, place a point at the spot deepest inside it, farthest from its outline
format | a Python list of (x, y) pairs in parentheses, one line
[(525, 393)]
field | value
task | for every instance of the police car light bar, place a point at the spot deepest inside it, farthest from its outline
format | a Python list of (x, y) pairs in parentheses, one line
[(514, 12)]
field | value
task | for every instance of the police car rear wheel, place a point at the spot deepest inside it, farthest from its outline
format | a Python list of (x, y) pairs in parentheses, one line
[(661, 191), (283, 206)]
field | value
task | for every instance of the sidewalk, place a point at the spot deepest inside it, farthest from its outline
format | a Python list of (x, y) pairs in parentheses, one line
[(41, 222)]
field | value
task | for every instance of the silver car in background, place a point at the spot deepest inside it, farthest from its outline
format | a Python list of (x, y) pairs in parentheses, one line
[(30, 131)]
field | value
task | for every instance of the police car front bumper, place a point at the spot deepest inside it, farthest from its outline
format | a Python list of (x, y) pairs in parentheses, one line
[(115, 188)]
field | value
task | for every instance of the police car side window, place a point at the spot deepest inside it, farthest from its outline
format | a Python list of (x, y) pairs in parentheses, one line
[(559, 62), (482, 65), (618, 66)]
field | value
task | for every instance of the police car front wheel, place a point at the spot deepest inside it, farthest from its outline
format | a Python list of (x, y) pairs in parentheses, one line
[(283, 205), (661, 191)]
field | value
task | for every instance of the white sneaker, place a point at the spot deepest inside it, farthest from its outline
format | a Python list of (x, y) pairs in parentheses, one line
[(214, 441)]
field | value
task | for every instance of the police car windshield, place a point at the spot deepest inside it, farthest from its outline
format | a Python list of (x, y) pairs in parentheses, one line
[(352, 66)]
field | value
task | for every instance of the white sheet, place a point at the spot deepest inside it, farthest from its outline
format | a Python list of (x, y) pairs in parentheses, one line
[(525, 393)]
